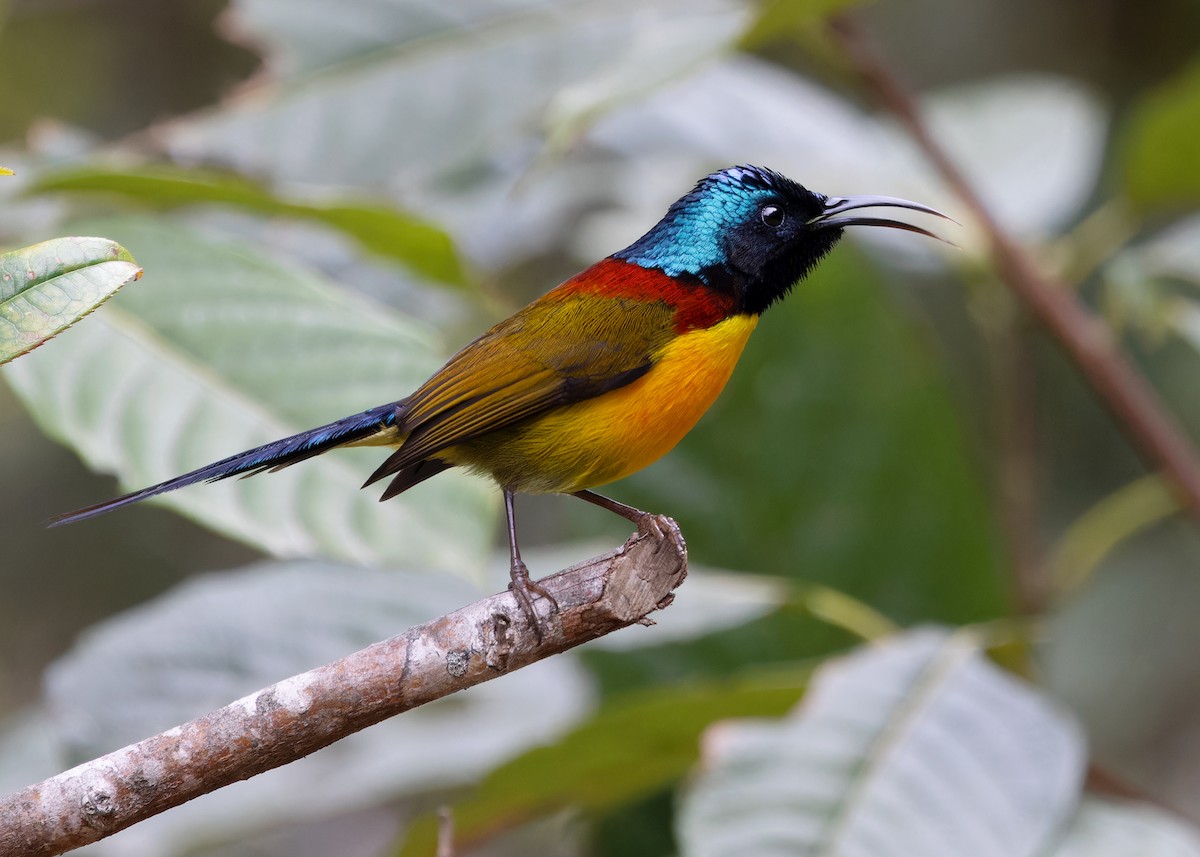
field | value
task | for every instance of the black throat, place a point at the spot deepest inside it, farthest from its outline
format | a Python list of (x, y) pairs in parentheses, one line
[(754, 283)]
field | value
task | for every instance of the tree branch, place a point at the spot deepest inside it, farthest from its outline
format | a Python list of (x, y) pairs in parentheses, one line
[(299, 715), (1083, 335)]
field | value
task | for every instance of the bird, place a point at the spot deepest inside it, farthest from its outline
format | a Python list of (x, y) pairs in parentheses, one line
[(602, 375)]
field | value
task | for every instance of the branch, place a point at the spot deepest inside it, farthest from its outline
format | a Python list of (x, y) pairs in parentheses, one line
[(291, 719), (1082, 334)]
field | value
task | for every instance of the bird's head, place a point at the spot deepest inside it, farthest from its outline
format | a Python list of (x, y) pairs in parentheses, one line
[(755, 231)]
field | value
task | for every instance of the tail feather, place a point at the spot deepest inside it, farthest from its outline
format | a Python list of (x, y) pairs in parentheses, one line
[(268, 457), (412, 475)]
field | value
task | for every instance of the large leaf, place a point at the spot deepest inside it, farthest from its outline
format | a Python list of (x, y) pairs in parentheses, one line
[(386, 231), (221, 636), (378, 91), (46, 288), (1158, 158), (225, 350), (917, 746), (626, 751)]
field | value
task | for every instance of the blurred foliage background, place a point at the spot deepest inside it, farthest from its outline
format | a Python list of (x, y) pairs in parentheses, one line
[(328, 199)]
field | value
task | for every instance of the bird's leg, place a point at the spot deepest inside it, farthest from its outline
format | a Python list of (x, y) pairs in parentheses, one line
[(520, 584), (659, 527)]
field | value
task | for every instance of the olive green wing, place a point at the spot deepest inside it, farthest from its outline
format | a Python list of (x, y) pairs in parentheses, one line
[(559, 350)]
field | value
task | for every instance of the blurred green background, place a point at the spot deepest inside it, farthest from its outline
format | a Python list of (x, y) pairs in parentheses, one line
[(328, 199)]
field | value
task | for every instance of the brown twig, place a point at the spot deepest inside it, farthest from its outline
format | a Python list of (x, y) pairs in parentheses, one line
[(302, 714), (1084, 336)]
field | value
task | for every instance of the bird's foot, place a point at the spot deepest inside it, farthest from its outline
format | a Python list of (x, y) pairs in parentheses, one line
[(658, 527), (524, 588), (663, 530)]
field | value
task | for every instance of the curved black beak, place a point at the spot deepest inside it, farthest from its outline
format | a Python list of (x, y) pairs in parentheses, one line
[(835, 205)]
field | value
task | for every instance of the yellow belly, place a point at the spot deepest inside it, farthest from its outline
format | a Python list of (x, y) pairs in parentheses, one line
[(611, 436)]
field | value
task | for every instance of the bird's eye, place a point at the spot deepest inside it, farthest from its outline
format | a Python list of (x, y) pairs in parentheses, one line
[(772, 215)]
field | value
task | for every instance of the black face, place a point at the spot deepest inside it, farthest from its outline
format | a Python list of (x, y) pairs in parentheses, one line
[(789, 231), (778, 245)]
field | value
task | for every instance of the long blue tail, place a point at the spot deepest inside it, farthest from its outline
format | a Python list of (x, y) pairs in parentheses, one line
[(271, 456)]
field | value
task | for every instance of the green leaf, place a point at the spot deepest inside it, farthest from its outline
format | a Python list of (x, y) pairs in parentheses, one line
[(1158, 160), (221, 636), (46, 288), (915, 746), (225, 350), (383, 230), (627, 751)]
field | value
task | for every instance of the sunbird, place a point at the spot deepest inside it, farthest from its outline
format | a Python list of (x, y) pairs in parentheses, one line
[(602, 375)]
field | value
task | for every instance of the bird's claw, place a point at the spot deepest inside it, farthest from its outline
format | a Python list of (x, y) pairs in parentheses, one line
[(663, 530), (524, 588)]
